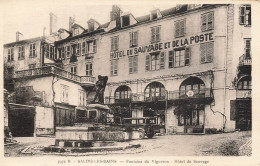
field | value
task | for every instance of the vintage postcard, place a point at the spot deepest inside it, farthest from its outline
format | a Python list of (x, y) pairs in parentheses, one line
[(130, 83)]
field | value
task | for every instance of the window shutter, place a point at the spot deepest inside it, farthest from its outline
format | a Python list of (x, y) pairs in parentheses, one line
[(130, 64), (248, 44), (147, 62), (135, 42), (87, 69), (187, 56), (242, 15), (135, 64), (83, 48), (131, 38), (117, 42), (177, 29), (162, 59), (170, 59), (210, 21), (203, 22), (116, 67), (90, 69), (158, 37), (210, 51), (112, 44), (111, 67), (153, 34), (203, 52), (94, 46), (182, 27)]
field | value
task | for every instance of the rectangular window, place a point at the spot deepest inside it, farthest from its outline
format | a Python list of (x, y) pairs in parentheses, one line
[(245, 15), (207, 21), (248, 48), (181, 57), (94, 46), (155, 61), (78, 49), (180, 28), (63, 53), (155, 34), (133, 39), (133, 64), (84, 48), (114, 43), (64, 93), (51, 52), (114, 67), (68, 51), (125, 20), (32, 50), (89, 70), (47, 51), (10, 54), (170, 59), (21, 53), (32, 66), (73, 69), (76, 31), (207, 52), (82, 98)]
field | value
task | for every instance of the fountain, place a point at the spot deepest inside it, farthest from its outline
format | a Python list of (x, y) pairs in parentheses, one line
[(98, 137)]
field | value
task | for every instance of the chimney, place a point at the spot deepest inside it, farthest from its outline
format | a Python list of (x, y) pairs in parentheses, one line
[(53, 23), (71, 22), (19, 36), (115, 15)]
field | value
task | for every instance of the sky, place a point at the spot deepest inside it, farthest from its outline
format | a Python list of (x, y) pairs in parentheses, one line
[(30, 17)]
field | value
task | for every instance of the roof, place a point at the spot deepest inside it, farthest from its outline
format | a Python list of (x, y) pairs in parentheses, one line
[(22, 42), (140, 20)]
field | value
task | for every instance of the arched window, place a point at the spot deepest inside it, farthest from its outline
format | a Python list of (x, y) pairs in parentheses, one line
[(154, 90), (192, 84), (122, 93), (244, 83)]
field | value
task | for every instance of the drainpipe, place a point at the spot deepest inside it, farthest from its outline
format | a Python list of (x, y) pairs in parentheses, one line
[(165, 116), (225, 68)]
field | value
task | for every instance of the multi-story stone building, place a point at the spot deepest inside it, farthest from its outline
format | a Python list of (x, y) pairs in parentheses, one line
[(182, 65), (189, 66)]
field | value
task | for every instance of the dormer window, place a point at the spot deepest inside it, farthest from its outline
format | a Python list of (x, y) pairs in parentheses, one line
[(155, 14), (125, 20), (75, 31), (91, 27)]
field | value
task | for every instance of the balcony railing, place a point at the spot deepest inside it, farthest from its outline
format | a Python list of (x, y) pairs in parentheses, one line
[(172, 95), (204, 93), (56, 71), (245, 61)]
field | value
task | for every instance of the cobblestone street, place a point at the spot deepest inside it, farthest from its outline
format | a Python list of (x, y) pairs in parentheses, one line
[(227, 144)]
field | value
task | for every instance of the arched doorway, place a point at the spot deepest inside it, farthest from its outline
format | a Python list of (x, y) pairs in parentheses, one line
[(154, 91), (191, 113)]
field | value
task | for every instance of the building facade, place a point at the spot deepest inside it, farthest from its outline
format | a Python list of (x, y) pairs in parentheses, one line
[(182, 65), (189, 66)]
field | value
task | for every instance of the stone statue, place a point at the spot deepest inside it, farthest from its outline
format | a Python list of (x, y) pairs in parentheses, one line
[(100, 88)]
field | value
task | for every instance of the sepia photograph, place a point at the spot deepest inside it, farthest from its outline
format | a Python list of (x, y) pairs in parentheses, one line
[(87, 83)]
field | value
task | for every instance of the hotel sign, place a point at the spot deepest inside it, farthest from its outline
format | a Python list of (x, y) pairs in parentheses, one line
[(181, 42)]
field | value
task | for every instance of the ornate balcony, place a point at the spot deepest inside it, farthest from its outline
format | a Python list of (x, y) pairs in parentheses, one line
[(205, 95), (53, 70), (245, 61), (245, 65)]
